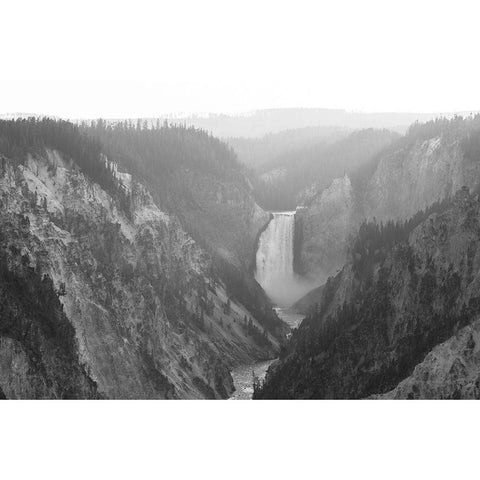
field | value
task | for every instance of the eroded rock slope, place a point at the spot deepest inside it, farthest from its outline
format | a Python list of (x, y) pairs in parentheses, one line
[(148, 314)]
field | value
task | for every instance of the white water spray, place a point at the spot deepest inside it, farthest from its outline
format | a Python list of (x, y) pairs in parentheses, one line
[(274, 261)]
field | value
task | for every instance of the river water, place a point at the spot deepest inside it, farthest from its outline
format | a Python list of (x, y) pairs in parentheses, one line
[(243, 375), (275, 273)]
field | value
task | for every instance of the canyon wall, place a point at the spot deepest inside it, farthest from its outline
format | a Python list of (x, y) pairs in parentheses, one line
[(150, 319), (390, 306), (430, 163)]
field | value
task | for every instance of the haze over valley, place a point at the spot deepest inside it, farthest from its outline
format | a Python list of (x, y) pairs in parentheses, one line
[(148, 259), (205, 200)]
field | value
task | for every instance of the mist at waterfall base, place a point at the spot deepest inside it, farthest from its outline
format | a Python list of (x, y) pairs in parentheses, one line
[(274, 262)]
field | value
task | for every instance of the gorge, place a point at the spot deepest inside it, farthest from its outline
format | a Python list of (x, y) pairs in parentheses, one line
[(142, 240), (275, 273), (399, 240), (142, 290)]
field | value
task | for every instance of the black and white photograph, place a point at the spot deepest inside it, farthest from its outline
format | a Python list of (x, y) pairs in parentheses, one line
[(243, 202)]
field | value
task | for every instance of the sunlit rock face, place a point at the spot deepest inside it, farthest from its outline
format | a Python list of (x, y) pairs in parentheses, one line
[(409, 176), (148, 319), (410, 179)]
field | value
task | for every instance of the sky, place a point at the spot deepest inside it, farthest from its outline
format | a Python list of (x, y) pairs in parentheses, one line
[(129, 59)]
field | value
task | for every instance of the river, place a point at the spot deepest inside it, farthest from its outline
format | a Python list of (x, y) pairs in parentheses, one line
[(243, 375)]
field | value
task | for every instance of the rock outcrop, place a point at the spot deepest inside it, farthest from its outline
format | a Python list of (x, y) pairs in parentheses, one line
[(418, 174), (150, 318), (450, 371), (404, 290), (432, 162), (38, 350), (324, 228)]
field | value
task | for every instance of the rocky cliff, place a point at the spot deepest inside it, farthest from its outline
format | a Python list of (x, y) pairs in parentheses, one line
[(38, 349), (286, 180), (324, 229), (405, 289), (431, 162), (150, 316), (450, 371), (197, 178)]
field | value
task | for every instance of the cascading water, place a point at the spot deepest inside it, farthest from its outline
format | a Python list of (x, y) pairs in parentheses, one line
[(275, 249), (275, 274), (274, 261)]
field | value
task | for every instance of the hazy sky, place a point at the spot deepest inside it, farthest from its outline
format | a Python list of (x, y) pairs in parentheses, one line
[(137, 58)]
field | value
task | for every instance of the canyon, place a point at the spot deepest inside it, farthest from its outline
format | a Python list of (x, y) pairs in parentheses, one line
[(150, 312), (165, 274), (398, 241)]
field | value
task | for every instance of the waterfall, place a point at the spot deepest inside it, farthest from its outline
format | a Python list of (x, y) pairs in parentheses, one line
[(274, 260)]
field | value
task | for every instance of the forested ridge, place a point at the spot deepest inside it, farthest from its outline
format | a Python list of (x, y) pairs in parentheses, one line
[(407, 287), (183, 167), (375, 240), (198, 178), (155, 314), (163, 147), (24, 136), (316, 166), (257, 151), (464, 130)]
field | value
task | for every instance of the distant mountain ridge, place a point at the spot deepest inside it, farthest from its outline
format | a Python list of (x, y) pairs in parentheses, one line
[(289, 179), (258, 151), (269, 121)]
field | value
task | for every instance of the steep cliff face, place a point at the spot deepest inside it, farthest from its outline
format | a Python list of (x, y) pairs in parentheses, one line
[(197, 178), (38, 350), (387, 309), (430, 163), (222, 212), (417, 175), (284, 179), (324, 228), (450, 371), (150, 318)]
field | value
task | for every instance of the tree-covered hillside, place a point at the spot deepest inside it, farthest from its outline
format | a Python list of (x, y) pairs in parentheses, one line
[(190, 173), (284, 180), (24, 136), (155, 314), (407, 287), (257, 151), (199, 179)]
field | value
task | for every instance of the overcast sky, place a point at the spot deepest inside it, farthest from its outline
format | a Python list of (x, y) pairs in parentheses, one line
[(128, 59)]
